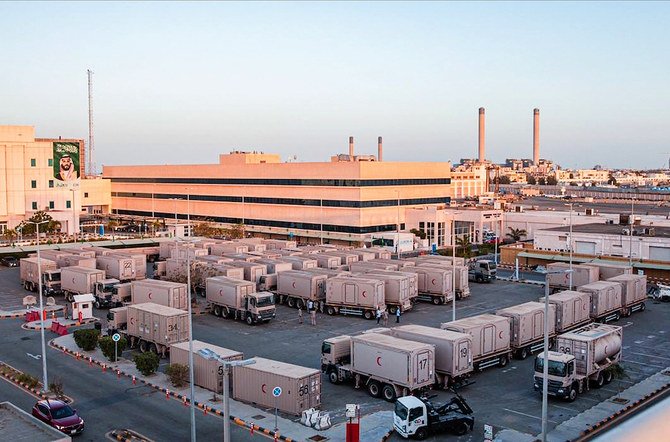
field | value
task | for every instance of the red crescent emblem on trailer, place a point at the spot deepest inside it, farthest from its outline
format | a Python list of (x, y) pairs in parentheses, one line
[(379, 361), (220, 292), (132, 321), (293, 284), (364, 294), (150, 295), (263, 388), (500, 334), (432, 281)]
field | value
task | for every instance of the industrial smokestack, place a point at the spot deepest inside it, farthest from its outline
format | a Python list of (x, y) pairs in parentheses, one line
[(379, 148), (482, 134), (351, 148), (536, 136)]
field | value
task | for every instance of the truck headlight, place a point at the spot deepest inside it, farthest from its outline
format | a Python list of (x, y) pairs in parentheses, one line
[(560, 390)]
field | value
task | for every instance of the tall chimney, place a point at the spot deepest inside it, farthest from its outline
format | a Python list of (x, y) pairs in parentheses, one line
[(379, 148), (351, 148), (536, 136), (482, 134)]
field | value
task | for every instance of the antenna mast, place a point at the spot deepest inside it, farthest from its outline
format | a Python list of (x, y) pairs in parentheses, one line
[(91, 165)]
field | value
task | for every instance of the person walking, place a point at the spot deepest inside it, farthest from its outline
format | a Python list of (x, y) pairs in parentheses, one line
[(385, 317), (397, 315), (312, 312), (378, 315), (300, 321)]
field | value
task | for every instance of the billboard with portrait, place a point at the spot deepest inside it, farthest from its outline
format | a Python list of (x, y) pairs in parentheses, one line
[(66, 161)]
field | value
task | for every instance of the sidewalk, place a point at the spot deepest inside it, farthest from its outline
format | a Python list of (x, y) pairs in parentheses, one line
[(9, 314), (37, 325), (373, 427)]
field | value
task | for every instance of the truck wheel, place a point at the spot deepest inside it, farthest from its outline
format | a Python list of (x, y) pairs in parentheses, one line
[(608, 376), (600, 381), (216, 310), (368, 314), (435, 300), (333, 378), (330, 310), (572, 395), (96, 304), (617, 317), (642, 307), (143, 346), (291, 302), (523, 353), (250, 320), (225, 312), (154, 349), (503, 361), (374, 389), (478, 279), (300, 304), (421, 433), (460, 428), (393, 309), (388, 393)]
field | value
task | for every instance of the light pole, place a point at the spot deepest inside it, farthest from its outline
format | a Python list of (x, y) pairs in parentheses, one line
[(571, 242), (75, 228), (45, 385), (321, 217), (545, 354), (211, 355), (453, 264), (398, 225), (630, 234)]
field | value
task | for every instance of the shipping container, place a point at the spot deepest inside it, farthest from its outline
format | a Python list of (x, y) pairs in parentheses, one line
[(155, 327), (363, 254), (434, 284), (366, 266), (330, 273), (592, 345), (573, 309), (633, 292), (527, 326), (412, 278), (140, 262), (398, 264), (380, 252), (354, 296), (181, 252), (29, 273), (490, 338), (462, 279), (609, 270), (300, 262), (296, 287), (447, 259), (252, 270), (224, 248), (581, 275), (80, 251), (325, 261), (79, 281), (275, 266), (238, 299), (117, 267), (345, 257), (207, 373), (117, 319), (213, 259), (397, 290), (171, 294), (273, 244), (63, 259), (606, 300), (300, 386)]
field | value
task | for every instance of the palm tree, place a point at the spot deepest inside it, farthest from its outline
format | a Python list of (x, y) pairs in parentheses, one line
[(517, 234), (463, 243)]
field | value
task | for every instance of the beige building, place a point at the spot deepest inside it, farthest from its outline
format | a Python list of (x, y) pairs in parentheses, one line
[(28, 184), (437, 223)]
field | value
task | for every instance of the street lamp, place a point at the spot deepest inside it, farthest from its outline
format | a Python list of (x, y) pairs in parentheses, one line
[(453, 264), (398, 225), (545, 354), (213, 356), (45, 385), (630, 234), (75, 228)]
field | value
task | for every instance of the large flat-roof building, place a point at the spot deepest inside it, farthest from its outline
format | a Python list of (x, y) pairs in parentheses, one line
[(342, 200)]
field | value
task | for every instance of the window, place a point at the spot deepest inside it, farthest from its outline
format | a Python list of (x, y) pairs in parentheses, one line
[(51, 205), (68, 204), (34, 205), (33, 184), (50, 162), (85, 194), (33, 162), (51, 183)]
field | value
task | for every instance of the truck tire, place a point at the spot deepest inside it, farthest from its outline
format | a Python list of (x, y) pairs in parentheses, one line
[(143, 346), (572, 394), (600, 381), (225, 312), (368, 314), (333, 377), (154, 349), (421, 433), (250, 320), (435, 300), (642, 307), (374, 389), (330, 310), (96, 304), (460, 428), (388, 393), (503, 360), (291, 302), (523, 353), (392, 309), (608, 376), (216, 310)]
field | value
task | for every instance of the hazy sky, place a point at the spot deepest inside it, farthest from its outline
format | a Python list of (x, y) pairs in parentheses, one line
[(182, 82)]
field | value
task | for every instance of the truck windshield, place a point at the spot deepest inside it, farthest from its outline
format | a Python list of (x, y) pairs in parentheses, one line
[(265, 301), (401, 411), (54, 277), (492, 266), (325, 348), (555, 368)]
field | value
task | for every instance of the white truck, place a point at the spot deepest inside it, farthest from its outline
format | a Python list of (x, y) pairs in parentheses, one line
[(118, 267), (238, 299), (80, 281), (51, 284), (295, 288), (348, 295), (584, 356)]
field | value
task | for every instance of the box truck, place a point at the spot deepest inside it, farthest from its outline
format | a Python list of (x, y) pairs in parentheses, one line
[(434, 284), (275, 265), (273, 244), (64, 259), (581, 275), (345, 258), (490, 338), (80, 281), (140, 262), (325, 261), (573, 309), (223, 248), (633, 292), (51, 277), (386, 366), (527, 327), (300, 386), (171, 294), (363, 255), (117, 267), (584, 356), (252, 270), (412, 278), (610, 270), (397, 290), (462, 279), (207, 373), (349, 295), (153, 327), (238, 299), (482, 270), (380, 252), (398, 264), (606, 300), (365, 266), (300, 262), (295, 288), (111, 292)]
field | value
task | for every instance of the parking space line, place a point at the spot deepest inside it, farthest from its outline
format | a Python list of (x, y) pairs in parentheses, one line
[(646, 365), (528, 415), (566, 408), (649, 356)]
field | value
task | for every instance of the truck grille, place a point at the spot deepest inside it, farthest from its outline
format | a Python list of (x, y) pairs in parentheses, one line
[(267, 314), (553, 385)]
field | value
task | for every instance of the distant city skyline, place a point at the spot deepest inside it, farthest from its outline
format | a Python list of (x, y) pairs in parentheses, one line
[(180, 83)]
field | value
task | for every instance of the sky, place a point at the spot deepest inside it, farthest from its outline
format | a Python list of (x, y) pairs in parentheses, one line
[(182, 82)]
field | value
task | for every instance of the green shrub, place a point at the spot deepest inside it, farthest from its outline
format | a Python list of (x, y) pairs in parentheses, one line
[(86, 339), (56, 387), (178, 374), (107, 347), (146, 363), (29, 380)]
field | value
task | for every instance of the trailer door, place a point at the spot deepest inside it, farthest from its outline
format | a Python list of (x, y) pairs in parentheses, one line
[(464, 357), (423, 369), (487, 339), (538, 324), (349, 294)]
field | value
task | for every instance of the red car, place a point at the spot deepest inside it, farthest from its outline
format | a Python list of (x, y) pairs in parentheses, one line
[(59, 415)]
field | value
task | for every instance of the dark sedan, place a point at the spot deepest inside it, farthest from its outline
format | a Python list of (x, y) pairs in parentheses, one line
[(9, 261)]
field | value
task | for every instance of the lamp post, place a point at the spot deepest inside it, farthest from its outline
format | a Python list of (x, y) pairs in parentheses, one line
[(571, 242), (321, 218), (190, 337), (630, 234), (45, 385), (398, 225), (545, 354), (75, 227), (211, 355)]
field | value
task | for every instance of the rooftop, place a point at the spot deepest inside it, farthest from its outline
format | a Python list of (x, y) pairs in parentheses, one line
[(614, 229), (17, 425)]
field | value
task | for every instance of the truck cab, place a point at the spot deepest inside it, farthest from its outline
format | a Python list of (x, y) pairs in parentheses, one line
[(483, 270), (51, 282), (111, 293), (418, 417), (562, 375), (267, 282), (260, 307)]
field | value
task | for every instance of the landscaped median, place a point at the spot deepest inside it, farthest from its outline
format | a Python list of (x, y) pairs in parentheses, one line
[(29, 383)]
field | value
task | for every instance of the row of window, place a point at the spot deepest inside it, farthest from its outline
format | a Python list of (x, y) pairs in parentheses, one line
[(271, 223), (33, 162), (52, 205), (33, 184), (288, 201), (288, 182)]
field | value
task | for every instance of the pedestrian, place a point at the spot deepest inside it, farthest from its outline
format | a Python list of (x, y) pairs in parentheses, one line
[(378, 315), (312, 312), (300, 315), (397, 316), (385, 317)]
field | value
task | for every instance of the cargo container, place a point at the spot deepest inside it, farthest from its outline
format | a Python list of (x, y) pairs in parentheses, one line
[(584, 356), (272, 244), (633, 292), (295, 288), (330, 273), (490, 338), (462, 278), (111, 292), (167, 246), (171, 294), (252, 270), (380, 252), (51, 277), (301, 386), (275, 266), (453, 351), (153, 327), (152, 253), (581, 275), (386, 366), (345, 257), (140, 262), (160, 269), (80, 251), (325, 261), (606, 300), (213, 259), (253, 246), (434, 284), (117, 319), (366, 266), (224, 248), (573, 309), (80, 281), (238, 299), (284, 253), (347, 295), (64, 259), (97, 251), (397, 290), (363, 255), (413, 280), (527, 327), (398, 264), (300, 262), (117, 267), (181, 252), (447, 259), (610, 270), (207, 373), (268, 283)]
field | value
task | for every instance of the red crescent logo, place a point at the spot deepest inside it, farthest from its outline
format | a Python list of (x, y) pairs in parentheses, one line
[(432, 281), (221, 292), (293, 284), (72, 280), (379, 361), (605, 349), (263, 388), (364, 294), (150, 294), (132, 321), (500, 334)]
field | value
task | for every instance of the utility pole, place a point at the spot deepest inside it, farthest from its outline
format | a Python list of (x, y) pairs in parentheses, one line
[(91, 166)]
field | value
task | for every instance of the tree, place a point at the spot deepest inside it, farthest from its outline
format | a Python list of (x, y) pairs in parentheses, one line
[(420, 233), (530, 179), (517, 234), (10, 235), (178, 374), (541, 181), (147, 363), (86, 339), (504, 180), (107, 347), (236, 232), (28, 228), (463, 243), (551, 180), (611, 179)]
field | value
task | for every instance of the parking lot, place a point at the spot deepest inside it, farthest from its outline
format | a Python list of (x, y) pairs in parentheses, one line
[(503, 398)]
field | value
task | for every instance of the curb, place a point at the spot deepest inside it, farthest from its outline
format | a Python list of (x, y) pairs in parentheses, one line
[(38, 327), (521, 281), (35, 392), (169, 394), (13, 316), (387, 435)]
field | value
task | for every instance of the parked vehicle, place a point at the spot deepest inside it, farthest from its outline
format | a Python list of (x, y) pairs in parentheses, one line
[(527, 327), (295, 288), (275, 265), (140, 262), (207, 373), (325, 261), (9, 261), (633, 293), (490, 338), (419, 418), (237, 299), (585, 356), (345, 257), (434, 284), (462, 275), (111, 292), (300, 262), (386, 366), (354, 296), (606, 300), (59, 415), (51, 277), (581, 275), (80, 281), (397, 290), (573, 309), (252, 270), (482, 270), (153, 327), (118, 267), (366, 266), (171, 294), (117, 320), (608, 270)]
